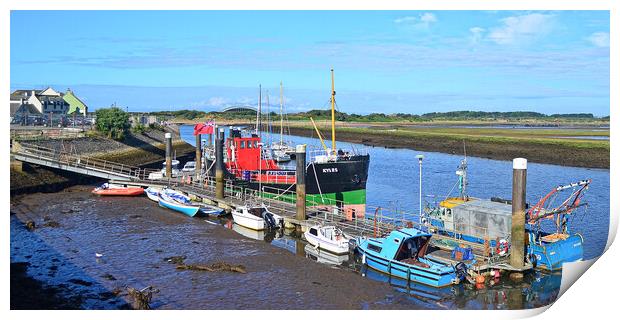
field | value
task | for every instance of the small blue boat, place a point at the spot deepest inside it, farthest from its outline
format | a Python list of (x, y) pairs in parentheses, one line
[(403, 254), (169, 201), (210, 210), (180, 202)]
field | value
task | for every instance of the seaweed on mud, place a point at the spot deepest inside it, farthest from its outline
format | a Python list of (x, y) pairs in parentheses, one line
[(175, 259), (218, 266), (142, 298), (30, 225), (51, 224)]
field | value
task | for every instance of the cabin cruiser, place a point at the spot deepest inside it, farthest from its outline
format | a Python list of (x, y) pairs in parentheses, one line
[(403, 254), (257, 217), (328, 238)]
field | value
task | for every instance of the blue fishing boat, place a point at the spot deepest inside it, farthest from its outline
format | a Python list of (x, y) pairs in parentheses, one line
[(403, 254), (171, 201)]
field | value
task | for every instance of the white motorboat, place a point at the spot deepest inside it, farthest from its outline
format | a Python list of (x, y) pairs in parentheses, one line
[(257, 217), (328, 238)]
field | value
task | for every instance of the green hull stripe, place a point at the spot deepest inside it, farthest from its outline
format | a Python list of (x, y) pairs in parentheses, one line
[(348, 197)]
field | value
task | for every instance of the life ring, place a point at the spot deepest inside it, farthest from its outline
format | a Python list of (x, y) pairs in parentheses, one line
[(502, 247)]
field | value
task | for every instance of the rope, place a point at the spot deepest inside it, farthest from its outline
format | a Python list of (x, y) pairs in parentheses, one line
[(284, 192), (317, 183)]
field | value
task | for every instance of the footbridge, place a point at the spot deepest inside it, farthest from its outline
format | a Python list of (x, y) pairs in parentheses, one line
[(33, 154)]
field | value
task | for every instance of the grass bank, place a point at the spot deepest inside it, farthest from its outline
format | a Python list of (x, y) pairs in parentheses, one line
[(541, 145)]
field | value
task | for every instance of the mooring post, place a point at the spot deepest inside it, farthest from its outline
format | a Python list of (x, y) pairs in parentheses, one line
[(198, 156), (519, 175), (300, 181), (219, 165), (168, 137)]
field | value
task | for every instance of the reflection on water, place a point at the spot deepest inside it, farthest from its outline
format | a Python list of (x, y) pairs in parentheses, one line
[(537, 288), (325, 257)]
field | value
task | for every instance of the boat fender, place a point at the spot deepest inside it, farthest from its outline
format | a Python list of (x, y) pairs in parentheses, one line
[(364, 258), (502, 247)]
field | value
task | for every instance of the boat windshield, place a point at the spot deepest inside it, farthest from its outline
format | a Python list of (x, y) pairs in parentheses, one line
[(257, 211), (412, 249)]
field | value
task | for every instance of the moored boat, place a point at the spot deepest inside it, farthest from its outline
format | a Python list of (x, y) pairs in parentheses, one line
[(152, 193), (256, 217), (209, 209), (328, 238), (108, 190), (168, 200), (333, 176), (403, 254)]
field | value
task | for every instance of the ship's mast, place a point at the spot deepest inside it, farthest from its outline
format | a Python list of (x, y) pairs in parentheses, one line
[(281, 115), (260, 98), (333, 115)]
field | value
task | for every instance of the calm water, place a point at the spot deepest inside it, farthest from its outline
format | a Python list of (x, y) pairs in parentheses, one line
[(393, 182)]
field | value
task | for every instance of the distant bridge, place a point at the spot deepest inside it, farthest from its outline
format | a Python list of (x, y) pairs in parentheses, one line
[(239, 108)]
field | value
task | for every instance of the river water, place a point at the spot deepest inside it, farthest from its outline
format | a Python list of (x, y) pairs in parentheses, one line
[(101, 245), (393, 182)]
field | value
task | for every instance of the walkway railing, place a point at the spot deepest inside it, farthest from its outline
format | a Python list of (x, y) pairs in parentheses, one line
[(81, 162)]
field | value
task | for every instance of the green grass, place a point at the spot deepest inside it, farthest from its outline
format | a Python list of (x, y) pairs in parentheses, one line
[(485, 135)]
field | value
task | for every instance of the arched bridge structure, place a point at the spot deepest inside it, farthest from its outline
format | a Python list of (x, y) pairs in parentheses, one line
[(238, 109)]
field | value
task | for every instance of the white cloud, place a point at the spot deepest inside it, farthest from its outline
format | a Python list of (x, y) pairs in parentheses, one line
[(522, 29), (599, 39), (428, 18), (421, 21), (476, 34), (405, 20)]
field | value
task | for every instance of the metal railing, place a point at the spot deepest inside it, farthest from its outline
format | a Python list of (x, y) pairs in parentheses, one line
[(82, 162)]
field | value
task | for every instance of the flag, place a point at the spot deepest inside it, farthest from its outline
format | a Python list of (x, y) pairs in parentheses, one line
[(204, 128)]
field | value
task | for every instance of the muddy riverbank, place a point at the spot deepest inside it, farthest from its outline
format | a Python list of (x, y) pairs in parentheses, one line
[(98, 246), (498, 149)]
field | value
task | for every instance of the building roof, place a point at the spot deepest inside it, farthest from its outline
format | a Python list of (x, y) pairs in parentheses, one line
[(75, 104), (17, 95), (49, 92), (24, 108)]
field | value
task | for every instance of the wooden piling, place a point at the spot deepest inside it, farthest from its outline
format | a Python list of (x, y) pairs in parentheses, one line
[(300, 183), (219, 165), (519, 175), (198, 155), (168, 137)]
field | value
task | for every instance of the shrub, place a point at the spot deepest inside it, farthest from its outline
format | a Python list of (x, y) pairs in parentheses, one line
[(113, 122)]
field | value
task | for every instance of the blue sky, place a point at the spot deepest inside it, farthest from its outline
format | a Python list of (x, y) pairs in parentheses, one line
[(385, 61)]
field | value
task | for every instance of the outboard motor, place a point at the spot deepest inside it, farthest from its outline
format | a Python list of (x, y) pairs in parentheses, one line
[(271, 222), (460, 269)]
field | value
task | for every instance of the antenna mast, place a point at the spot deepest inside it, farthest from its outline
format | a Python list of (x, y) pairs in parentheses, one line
[(281, 115), (260, 98), (333, 101)]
